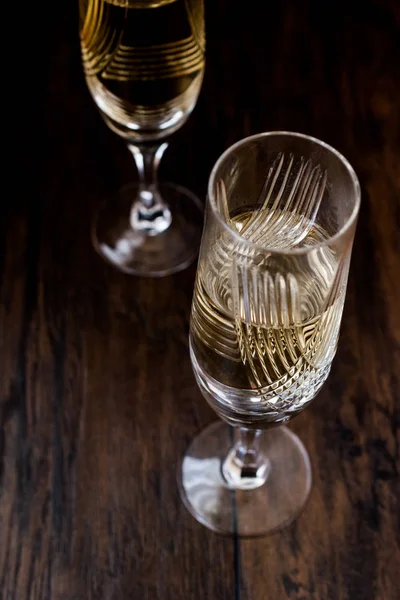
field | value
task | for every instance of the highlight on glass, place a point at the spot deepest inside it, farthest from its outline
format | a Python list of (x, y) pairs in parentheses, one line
[(271, 281), (144, 64)]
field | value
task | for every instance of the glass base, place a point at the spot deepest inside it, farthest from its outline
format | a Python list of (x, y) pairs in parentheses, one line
[(252, 512), (133, 249)]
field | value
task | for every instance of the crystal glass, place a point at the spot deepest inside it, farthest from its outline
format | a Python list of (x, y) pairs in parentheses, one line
[(144, 63), (268, 299)]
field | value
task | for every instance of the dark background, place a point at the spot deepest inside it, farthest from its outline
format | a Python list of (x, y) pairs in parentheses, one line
[(97, 397)]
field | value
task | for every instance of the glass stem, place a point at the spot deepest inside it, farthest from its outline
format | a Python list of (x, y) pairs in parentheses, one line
[(149, 212), (245, 467)]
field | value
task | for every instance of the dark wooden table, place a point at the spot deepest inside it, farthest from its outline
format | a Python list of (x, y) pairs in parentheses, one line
[(97, 397)]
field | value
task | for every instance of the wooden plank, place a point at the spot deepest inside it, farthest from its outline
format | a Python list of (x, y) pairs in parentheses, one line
[(345, 545), (98, 397)]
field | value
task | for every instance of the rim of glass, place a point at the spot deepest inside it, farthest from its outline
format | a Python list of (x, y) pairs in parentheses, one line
[(304, 250)]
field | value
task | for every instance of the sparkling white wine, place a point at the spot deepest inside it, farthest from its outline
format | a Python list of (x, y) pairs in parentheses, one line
[(264, 330), (143, 61)]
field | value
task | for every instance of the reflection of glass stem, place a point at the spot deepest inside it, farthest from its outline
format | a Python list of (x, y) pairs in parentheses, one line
[(245, 467), (149, 212)]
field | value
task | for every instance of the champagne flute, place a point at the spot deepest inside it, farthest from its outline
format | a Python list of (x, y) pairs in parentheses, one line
[(144, 64), (268, 299)]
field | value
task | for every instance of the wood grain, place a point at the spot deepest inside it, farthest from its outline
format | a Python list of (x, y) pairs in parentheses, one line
[(97, 397)]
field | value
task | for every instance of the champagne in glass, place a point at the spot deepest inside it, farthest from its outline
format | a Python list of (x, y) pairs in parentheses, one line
[(144, 66), (268, 300), (250, 330)]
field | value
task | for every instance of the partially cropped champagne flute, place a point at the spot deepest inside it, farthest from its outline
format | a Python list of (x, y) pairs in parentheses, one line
[(267, 306), (144, 66)]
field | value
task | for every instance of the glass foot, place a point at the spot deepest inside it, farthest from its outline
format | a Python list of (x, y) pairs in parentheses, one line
[(123, 238), (250, 512)]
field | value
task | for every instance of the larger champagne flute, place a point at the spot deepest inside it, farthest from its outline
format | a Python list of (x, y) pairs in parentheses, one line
[(144, 65), (268, 299)]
